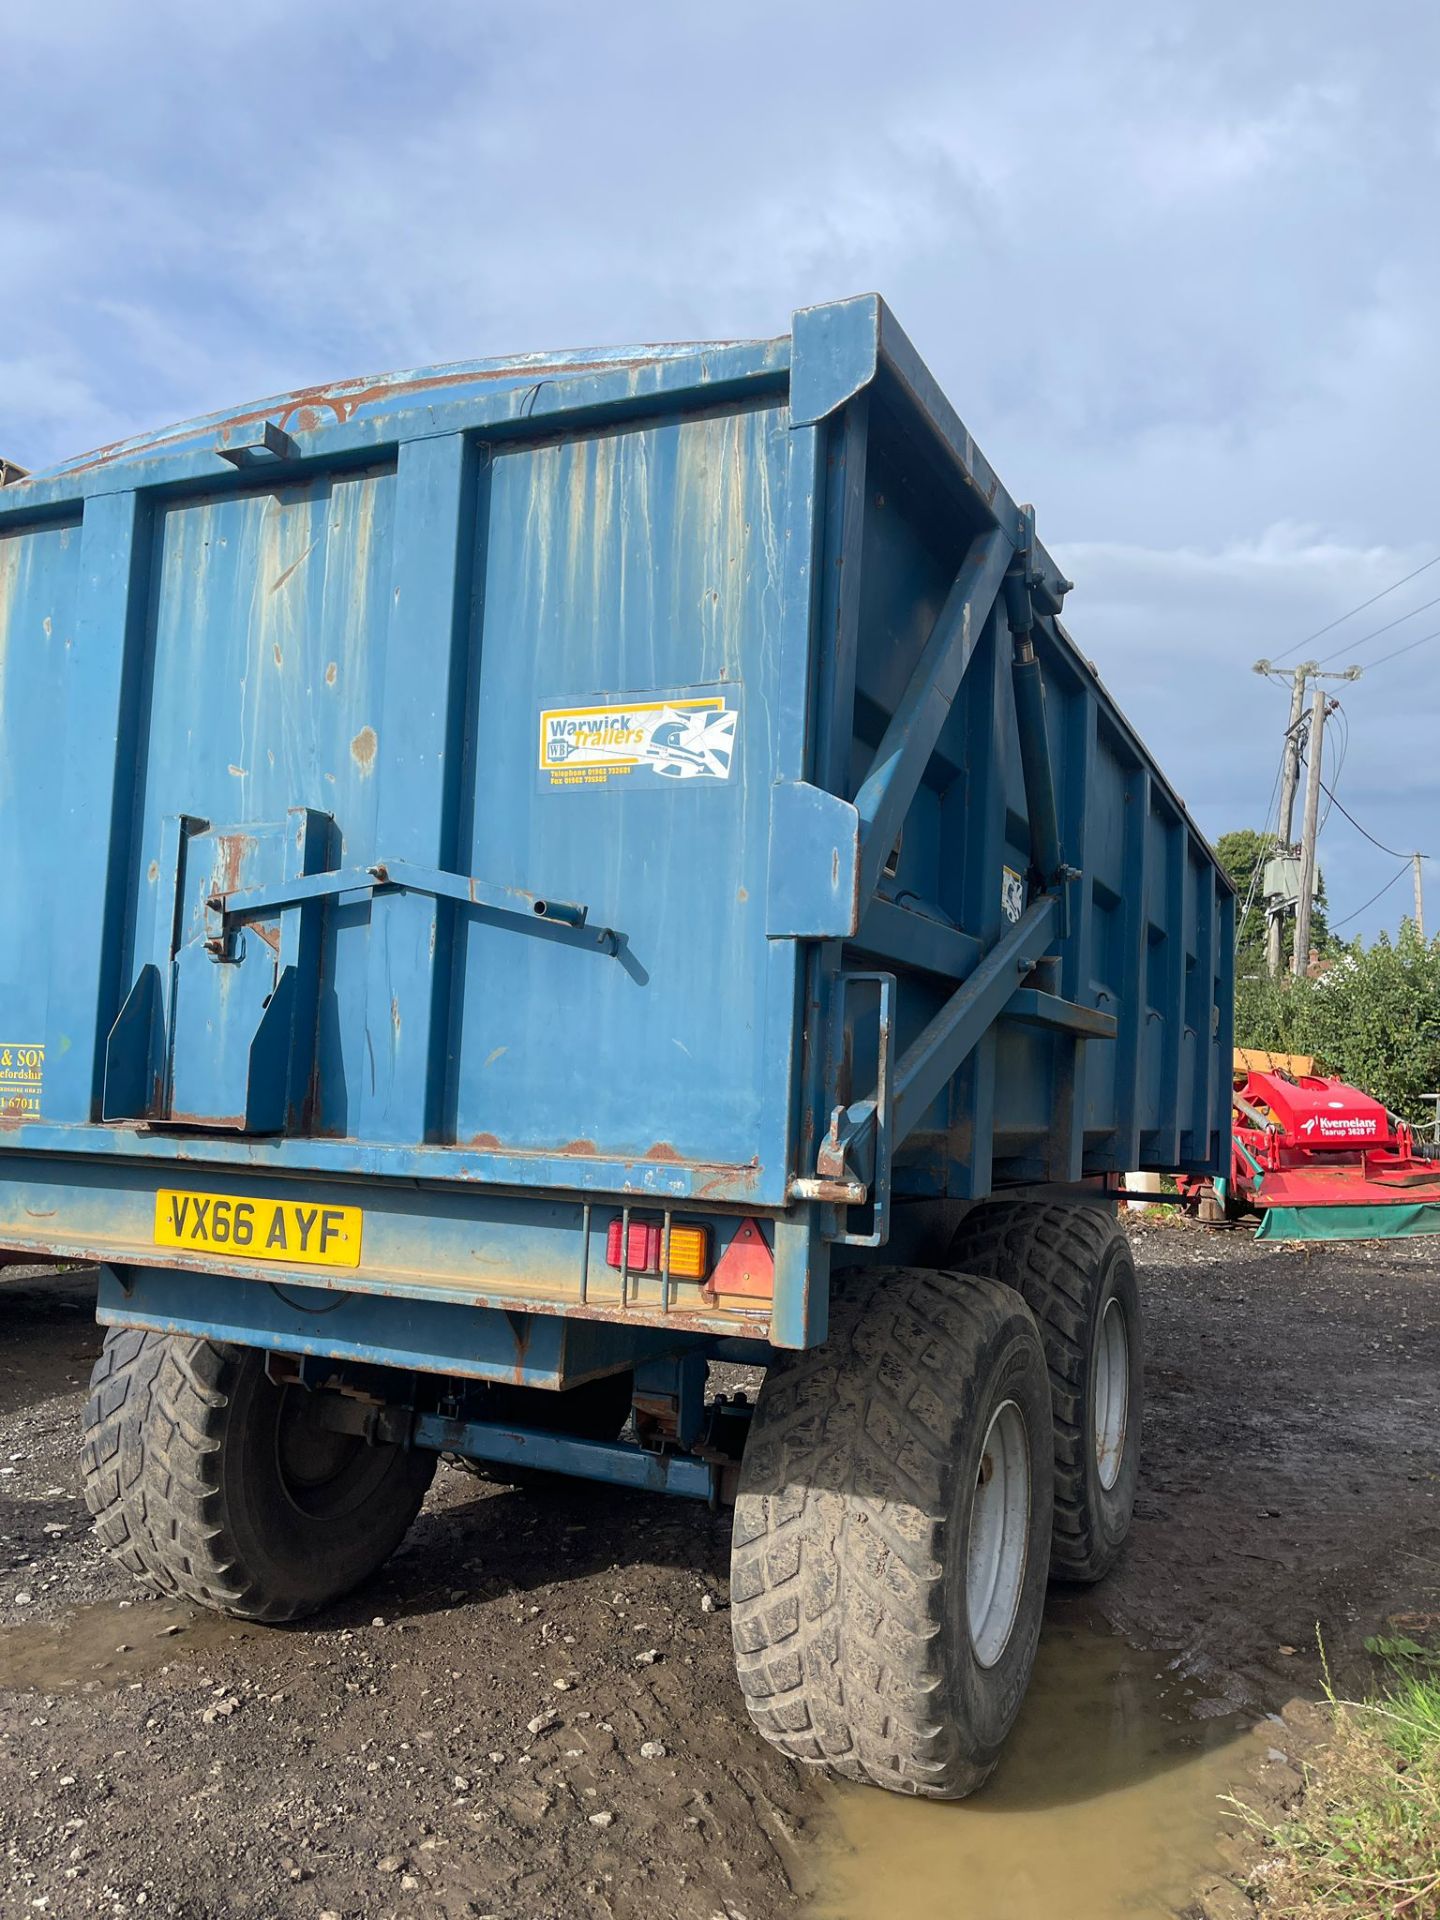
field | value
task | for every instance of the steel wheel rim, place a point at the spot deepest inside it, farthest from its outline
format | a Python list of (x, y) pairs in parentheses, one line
[(1112, 1393), (999, 1534)]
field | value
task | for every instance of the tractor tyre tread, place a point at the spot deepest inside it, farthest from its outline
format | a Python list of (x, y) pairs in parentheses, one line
[(1050, 1253), (152, 1461), (838, 1595)]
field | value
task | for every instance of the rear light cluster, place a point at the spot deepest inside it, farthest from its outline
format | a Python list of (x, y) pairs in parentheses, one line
[(689, 1253), (745, 1268)]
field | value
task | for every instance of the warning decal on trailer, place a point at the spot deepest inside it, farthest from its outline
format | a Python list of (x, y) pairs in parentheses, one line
[(22, 1074), (659, 737)]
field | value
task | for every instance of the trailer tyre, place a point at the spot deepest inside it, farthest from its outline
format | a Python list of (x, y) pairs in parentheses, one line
[(1074, 1267), (891, 1531), (211, 1482)]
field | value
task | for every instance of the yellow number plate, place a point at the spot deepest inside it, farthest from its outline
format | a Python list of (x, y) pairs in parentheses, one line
[(300, 1233)]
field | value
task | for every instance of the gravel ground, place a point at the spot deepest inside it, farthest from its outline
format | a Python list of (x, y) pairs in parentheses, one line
[(1291, 1478), (531, 1712)]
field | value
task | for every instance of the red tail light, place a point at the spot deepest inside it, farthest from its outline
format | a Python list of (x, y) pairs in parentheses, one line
[(689, 1252)]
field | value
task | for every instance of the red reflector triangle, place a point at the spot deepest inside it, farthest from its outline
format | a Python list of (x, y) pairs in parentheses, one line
[(747, 1265)]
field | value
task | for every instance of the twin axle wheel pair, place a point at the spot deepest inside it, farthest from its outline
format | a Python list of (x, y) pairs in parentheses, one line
[(904, 1490), (907, 1487)]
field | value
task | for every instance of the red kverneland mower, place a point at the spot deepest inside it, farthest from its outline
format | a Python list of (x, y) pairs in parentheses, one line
[(1316, 1159)]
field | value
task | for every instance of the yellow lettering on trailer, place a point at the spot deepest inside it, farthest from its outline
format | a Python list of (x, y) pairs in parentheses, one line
[(22, 1077)]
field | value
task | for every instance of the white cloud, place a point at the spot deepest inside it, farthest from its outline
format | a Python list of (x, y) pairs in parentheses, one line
[(1173, 266)]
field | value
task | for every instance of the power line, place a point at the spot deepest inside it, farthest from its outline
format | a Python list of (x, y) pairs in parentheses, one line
[(1268, 843), (1406, 859), (1375, 632), (1341, 618), (1409, 647), (1356, 824), (1398, 875), (1343, 720), (1270, 840), (1359, 829)]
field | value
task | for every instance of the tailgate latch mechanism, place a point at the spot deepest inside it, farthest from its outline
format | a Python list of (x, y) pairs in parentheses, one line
[(557, 917)]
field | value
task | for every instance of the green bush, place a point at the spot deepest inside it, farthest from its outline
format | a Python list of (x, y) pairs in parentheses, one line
[(1373, 1018)]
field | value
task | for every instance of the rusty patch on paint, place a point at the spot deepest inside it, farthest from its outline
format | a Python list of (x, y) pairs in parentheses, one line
[(280, 579), (338, 402), (231, 849), (662, 1150), (362, 749), (747, 1178), (330, 673)]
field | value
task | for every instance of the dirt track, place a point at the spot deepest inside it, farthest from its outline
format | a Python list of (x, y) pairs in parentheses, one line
[(379, 1761)]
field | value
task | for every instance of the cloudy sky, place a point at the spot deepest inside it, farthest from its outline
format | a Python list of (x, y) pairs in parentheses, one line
[(1178, 267)]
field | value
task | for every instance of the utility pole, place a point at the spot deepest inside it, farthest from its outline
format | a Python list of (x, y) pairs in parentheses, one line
[(1419, 897), (1289, 781), (1281, 887), (1300, 959)]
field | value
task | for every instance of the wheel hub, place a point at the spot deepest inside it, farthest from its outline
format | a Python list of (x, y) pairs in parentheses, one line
[(999, 1531), (323, 1473), (1112, 1393)]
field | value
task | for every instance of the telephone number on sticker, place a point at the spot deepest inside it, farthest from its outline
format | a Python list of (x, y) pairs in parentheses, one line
[(301, 1233)]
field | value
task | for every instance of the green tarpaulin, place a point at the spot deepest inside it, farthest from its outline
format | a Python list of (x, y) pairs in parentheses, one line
[(1348, 1223)]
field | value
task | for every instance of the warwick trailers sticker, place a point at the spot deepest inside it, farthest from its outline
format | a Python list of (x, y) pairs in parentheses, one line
[(674, 741)]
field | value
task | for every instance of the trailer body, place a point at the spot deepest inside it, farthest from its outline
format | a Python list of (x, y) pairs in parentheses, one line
[(517, 869)]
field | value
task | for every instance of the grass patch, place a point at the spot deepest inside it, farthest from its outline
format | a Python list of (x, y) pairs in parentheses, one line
[(1365, 1839)]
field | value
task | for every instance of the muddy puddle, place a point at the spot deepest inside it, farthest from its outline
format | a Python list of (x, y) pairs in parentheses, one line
[(98, 1648), (1106, 1805)]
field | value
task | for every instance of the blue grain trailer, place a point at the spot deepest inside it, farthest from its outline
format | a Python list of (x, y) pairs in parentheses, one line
[(523, 879)]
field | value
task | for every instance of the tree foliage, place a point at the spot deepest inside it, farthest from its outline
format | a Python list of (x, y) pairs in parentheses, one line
[(1373, 1018)]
